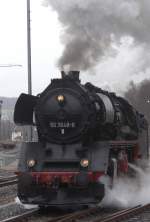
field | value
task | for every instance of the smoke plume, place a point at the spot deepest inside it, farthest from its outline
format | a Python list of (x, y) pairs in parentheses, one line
[(139, 96), (92, 26)]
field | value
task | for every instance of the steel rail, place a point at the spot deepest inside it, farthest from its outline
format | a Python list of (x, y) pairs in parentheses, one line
[(59, 218), (124, 214), (2, 178), (8, 183), (118, 216), (76, 215), (84, 214)]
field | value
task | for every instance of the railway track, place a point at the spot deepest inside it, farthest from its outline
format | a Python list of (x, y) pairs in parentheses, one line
[(96, 214), (7, 181), (8, 189), (64, 217), (128, 214), (3, 179)]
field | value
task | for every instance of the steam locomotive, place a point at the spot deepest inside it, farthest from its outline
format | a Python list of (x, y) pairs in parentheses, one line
[(84, 134)]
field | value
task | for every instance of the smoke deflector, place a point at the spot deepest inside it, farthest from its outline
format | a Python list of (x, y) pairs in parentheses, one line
[(23, 113)]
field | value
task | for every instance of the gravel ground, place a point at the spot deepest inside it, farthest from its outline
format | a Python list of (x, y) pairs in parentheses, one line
[(13, 209), (39, 218), (10, 210), (8, 194)]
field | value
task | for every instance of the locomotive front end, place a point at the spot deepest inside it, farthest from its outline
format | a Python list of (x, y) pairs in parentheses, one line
[(65, 165)]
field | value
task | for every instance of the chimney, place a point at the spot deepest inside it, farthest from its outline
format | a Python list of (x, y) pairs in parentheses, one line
[(74, 75)]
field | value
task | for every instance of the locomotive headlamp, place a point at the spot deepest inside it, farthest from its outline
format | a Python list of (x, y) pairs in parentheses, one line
[(84, 162), (60, 98), (31, 163)]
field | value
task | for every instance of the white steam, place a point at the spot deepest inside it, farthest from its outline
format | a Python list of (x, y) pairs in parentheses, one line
[(129, 192), (25, 206)]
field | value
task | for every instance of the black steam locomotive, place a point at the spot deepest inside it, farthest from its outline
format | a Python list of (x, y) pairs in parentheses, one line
[(84, 134)]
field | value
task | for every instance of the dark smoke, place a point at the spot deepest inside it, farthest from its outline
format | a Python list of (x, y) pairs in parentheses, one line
[(139, 97), (90, 27)]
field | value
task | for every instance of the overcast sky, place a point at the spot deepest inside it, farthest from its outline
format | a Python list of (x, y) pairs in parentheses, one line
[(13, 48), (114, 71)]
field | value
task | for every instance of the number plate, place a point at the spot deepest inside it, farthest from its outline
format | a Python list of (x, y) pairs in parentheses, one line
[(62, 124)]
